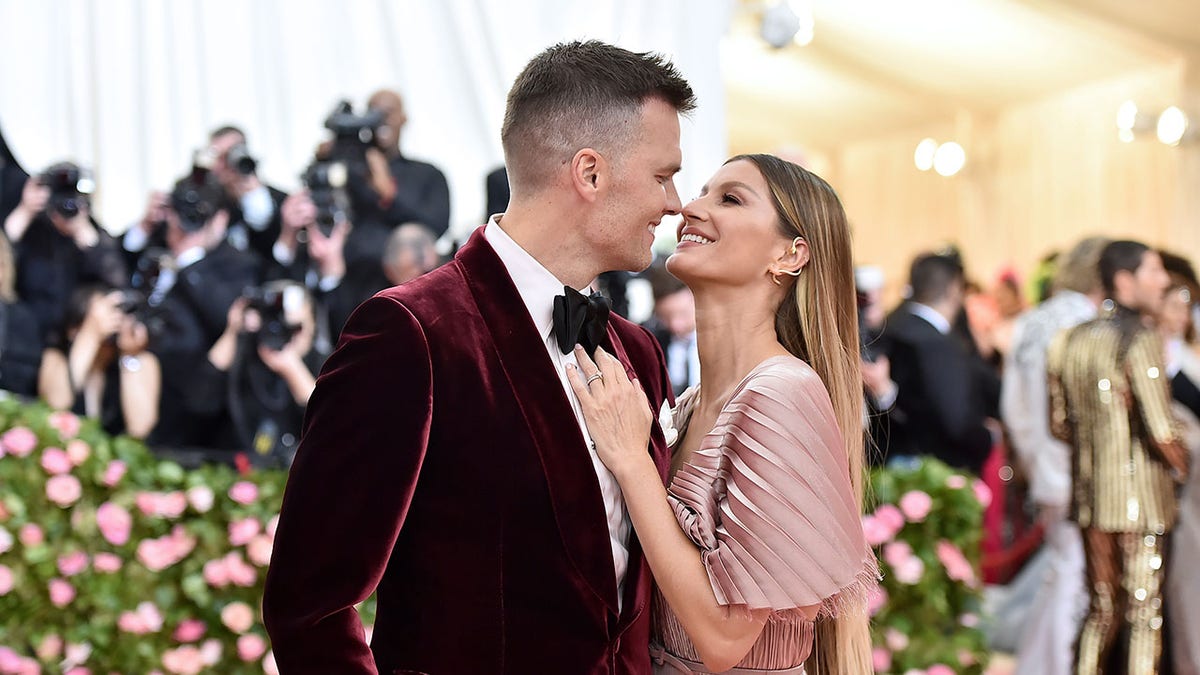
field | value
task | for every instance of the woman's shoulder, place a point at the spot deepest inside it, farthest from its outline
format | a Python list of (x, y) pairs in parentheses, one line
[(783, 379)]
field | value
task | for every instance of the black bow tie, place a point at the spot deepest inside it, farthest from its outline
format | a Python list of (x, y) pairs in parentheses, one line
[(580, 319)]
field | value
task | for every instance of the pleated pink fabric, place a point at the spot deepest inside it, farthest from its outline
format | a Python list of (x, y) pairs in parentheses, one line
[(767, 498)]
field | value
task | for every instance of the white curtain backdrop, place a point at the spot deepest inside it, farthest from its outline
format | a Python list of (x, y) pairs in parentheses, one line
[(131, 87)]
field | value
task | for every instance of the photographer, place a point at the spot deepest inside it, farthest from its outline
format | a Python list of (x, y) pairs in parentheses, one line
[(259, 374), (252, 207), (99, 366), (20, 342), (200, 277), (421, 193), (59, 246)]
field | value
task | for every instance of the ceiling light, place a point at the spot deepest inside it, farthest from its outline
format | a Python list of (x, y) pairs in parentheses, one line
[(1172, 125), (923, 157), (780, 24), (949, 159), (1127, 116)]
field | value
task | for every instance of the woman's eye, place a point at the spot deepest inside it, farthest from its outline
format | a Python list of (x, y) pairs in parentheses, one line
[(729, 199)]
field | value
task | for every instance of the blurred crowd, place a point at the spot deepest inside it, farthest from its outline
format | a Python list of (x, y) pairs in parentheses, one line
[(201, 329)]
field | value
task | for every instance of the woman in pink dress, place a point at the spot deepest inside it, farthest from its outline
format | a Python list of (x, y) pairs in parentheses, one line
[(756, 544)]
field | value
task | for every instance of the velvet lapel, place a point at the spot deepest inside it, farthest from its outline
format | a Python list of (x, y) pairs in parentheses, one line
[(570, 478), (637, 581)]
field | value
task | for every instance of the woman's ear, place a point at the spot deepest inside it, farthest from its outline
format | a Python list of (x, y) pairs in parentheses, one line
[(793, 258)]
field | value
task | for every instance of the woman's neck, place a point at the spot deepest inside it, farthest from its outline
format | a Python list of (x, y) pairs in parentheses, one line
[(734, 334)]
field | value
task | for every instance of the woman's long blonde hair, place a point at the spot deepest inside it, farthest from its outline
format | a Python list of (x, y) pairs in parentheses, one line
[(818, 322)]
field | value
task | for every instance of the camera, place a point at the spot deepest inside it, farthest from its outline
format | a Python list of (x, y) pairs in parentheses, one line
[(271, 303), (240, 160), (326, 183), (197, 197), (138, 300), (352, 134), (70, 187)]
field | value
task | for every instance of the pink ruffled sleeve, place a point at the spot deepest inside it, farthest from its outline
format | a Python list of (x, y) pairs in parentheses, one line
[(768, 499)]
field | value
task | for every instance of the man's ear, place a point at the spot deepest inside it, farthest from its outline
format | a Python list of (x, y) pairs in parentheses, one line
[(589, 172), (793, 258)]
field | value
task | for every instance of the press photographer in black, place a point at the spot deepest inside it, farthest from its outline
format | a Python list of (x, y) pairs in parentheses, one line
[(251, 206), (420, 193), (58, 245), (99, 365), (200, 275), (258, 376)]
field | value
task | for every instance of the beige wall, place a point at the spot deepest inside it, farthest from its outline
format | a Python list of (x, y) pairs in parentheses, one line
[(1039, 176)]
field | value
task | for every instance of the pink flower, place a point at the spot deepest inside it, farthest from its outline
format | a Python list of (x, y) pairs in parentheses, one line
[(243, 492), (73, 563), (61, 592), (50, 647), (915, 505), (130, 622), (79, 451), (969, 620), (78, 670), (910, 571), (269, 665), (259, 550), (78, 652), (159, 554), (982, 492), (237, 617), (144, 619), (64, 490), (106, 563), (272, 525), (115, 523), (185, 660), (31, 535), (250, 647), (956, 482), (6, 540), (957, 566), (215, 573), (147, 503), (896, 553), (877, 599), (9, 660), (114, 472), (939, 669), (210, 652), (201, 498), (882, 659), (242, 531), (896, 641), (891, 517), (55, 461), (875, 531), (190, 630), (966, 658), (67, 424), (6, 580), (19, 441), (240, 574), (172, 504)]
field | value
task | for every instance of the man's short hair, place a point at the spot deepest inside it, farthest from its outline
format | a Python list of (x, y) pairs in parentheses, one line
[(932, 276), (1079, 269), (1121, 255), (415, 237), (577, 95), (227, 129)]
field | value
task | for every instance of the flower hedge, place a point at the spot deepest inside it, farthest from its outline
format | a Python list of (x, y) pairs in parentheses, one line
[(926, 528), (112, 560)]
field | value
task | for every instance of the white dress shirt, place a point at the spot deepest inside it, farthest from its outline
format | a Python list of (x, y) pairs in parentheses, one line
[(537, 288)]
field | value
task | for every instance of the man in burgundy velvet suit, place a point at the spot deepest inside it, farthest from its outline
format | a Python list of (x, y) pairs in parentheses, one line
[(445, 463)]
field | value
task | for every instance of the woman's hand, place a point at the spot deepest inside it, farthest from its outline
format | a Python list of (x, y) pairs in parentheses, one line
[(616, 410)]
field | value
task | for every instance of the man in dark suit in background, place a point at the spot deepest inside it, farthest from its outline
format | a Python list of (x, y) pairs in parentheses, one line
[(445, 464), (943, 391)]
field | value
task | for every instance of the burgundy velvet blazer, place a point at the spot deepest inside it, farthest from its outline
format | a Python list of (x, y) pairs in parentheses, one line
[(441, 465)]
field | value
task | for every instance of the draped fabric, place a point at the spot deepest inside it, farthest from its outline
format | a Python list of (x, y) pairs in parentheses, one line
[(767, 497), (132, 87)]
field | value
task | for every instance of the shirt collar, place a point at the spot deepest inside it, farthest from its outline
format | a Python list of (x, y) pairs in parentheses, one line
[(536, 285), (931, 315), (191, 256)]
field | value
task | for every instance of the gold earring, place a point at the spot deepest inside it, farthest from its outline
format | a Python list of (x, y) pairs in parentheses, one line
[(795, 241), (775, 274)]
